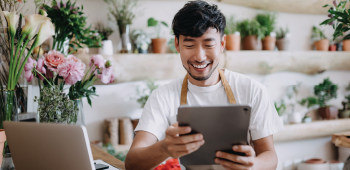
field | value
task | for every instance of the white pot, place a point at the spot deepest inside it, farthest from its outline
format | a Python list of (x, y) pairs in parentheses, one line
[(107, 48), (295, 117)]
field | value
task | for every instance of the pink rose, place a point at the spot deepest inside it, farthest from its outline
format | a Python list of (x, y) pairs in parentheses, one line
[(71, 71), (98, 61), (28, 67), (40, 67), (53, 59)]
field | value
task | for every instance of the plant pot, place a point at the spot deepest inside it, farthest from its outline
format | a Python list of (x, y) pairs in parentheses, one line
[(107, 48), (159, 45), (315, 161), (322, 45), (307, 120), (295, 118), (332, 47), (251, 42), (143, 48), (269, 43), (283, 44), (233, 42), (328, 112), (344, 114), (346, 45), (2, 142)]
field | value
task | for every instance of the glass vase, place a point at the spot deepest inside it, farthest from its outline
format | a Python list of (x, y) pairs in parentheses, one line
[(124, 31), (78, 103)]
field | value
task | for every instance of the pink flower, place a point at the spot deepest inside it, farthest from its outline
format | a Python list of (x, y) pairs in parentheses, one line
[(40, 67), (53, 59), (112, 78), (28, 67), (71, 71), (98, 61), (107, 73)]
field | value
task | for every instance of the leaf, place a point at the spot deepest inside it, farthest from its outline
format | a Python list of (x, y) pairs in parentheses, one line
[(164, 23), (326, 22), (346, 37), (89, 100), (326, 5), (152, 22)]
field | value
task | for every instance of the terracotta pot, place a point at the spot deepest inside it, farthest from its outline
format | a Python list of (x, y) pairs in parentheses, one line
[(2, 141), (251, 42), (332, 47), (315, 161), (328, 112), (233, 42), (269, 43), (159, 45), (346, 45), (322, 45), (283, 44)]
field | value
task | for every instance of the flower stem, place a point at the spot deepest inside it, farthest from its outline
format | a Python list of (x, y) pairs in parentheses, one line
[(25, 61), (88, 72), (20, 57), (42, 76), (11, 73), (17, 59)]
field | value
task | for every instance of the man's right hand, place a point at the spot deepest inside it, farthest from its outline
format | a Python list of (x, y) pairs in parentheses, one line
[(177, 146)]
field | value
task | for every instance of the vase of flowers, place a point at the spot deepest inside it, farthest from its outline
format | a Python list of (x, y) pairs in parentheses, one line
[(105, 32)]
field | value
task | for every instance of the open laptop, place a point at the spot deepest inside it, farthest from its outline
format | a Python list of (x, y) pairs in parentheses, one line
[(41, 146)]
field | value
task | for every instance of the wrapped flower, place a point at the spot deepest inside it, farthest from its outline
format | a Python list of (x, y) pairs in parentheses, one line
[(53, 59), (28, 67), (71, 71), (98, 61), (40, 67)]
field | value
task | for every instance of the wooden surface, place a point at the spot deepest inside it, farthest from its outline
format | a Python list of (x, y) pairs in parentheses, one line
[(341, 139), (98, 153)]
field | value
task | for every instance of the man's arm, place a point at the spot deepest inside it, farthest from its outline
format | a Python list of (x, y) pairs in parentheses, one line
[(266, 158)]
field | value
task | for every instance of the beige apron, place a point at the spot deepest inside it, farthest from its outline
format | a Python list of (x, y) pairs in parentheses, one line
[(183, 101)]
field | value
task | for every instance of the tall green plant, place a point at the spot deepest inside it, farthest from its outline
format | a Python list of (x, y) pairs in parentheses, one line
[(157, 25), (231, 26), (123, 11), (267, 21), (251, 28)]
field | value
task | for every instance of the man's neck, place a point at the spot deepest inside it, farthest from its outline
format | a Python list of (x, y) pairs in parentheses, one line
[(212, 80)]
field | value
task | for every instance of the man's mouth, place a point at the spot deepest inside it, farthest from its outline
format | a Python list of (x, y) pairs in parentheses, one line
[(200, 66)]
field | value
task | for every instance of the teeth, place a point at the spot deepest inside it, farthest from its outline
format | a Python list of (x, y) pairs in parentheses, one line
[(200, 66)]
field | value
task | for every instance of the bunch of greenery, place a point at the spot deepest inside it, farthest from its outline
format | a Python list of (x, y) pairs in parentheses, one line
[(280, 108), (281, 33), (69, 22), (54, 106), (252, 27), (323, 93), (112, 151), (145, 93), (268, 21), (157, 25), (338, 18), (122, 10), (317, 34), (103, 30), (347, 97), (231, 26)]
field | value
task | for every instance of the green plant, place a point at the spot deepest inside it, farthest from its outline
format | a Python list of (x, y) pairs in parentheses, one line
[(231, 26), (281, 108), (122, 10), (309, 102), (317, 34), (268, 21), (251, 28), (103, 30), (338, 18), (140, 38), (145, 93), (112, 151), (157, 25), (281, 33)]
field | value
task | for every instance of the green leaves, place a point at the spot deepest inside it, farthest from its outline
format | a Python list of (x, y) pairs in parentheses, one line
[(152, 22), (325, 91), (267, 21), (157, 24), (83, 89), (326, 22), (251, 28)]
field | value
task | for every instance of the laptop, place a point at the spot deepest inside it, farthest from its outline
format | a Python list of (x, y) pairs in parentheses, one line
[(42, 146)]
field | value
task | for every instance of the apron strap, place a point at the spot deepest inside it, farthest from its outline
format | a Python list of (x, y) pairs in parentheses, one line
[(229, 93)]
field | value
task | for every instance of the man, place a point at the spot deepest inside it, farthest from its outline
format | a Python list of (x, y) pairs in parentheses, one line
[(199, 38)]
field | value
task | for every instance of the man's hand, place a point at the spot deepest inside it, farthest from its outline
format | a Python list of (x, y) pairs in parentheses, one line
[(238, 162), (176, 145)]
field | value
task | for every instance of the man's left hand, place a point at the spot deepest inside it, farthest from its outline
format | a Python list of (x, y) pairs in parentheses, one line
[(237, 162)]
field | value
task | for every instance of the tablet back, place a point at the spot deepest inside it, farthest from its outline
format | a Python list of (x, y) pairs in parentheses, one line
[(221, 126)]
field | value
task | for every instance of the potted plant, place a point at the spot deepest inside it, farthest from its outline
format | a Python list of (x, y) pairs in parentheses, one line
[(141, 41), (158, 44), (105, 32), (281, 108), (144, 94), (320, 40), (233, 37), (338, 18), (345, 112), (268, 22), (123, 13), (283, 39), (251, 33), (323, 93)]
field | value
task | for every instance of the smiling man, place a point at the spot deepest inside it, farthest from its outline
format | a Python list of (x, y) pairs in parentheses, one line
[(199, 38)]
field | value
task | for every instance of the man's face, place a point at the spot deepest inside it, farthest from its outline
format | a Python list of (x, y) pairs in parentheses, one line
[(200, 56)]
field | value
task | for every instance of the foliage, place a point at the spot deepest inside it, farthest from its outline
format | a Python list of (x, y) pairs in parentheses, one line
[(69, 22), (111, 150), (157, 25), (252, 27), (281, 33), (309, 102), (140, 37), (231, 26), (268, 21), (122, 10), (145, 93), (40, 4), (83, 89), (103, 30), (317, 34), (281, 108), (54, 106), (338, 18)]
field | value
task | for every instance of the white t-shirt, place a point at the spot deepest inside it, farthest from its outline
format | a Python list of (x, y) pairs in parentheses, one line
[(161, 108)]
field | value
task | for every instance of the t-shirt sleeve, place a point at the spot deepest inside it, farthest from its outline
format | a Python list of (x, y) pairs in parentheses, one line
[(264, 119), (153, 118)]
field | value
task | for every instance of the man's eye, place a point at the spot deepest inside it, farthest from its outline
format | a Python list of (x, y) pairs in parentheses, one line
[(209, 45), (188, 46)]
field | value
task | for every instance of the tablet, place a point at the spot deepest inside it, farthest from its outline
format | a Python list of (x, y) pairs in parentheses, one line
[(221, 126)]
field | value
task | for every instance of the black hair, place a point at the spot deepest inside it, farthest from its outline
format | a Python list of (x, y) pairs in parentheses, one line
[(196, 17)]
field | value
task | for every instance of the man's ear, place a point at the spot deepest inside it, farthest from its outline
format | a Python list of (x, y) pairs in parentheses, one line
[(223, 43), (177, 44)]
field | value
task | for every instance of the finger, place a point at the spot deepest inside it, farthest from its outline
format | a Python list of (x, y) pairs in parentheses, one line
[(247, 149), (244, 160), (187, 147), (188, 139), (176, 131), (182, 153), (228, 164)]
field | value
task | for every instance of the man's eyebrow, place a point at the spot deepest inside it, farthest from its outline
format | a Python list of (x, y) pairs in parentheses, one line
[(188, 39), (209, 39)]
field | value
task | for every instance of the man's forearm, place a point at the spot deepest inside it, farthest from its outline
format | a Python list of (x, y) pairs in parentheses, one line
[(266, 161), (146, 157)]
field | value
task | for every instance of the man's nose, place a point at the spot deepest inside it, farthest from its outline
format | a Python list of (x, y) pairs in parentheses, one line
[(199, 54)]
